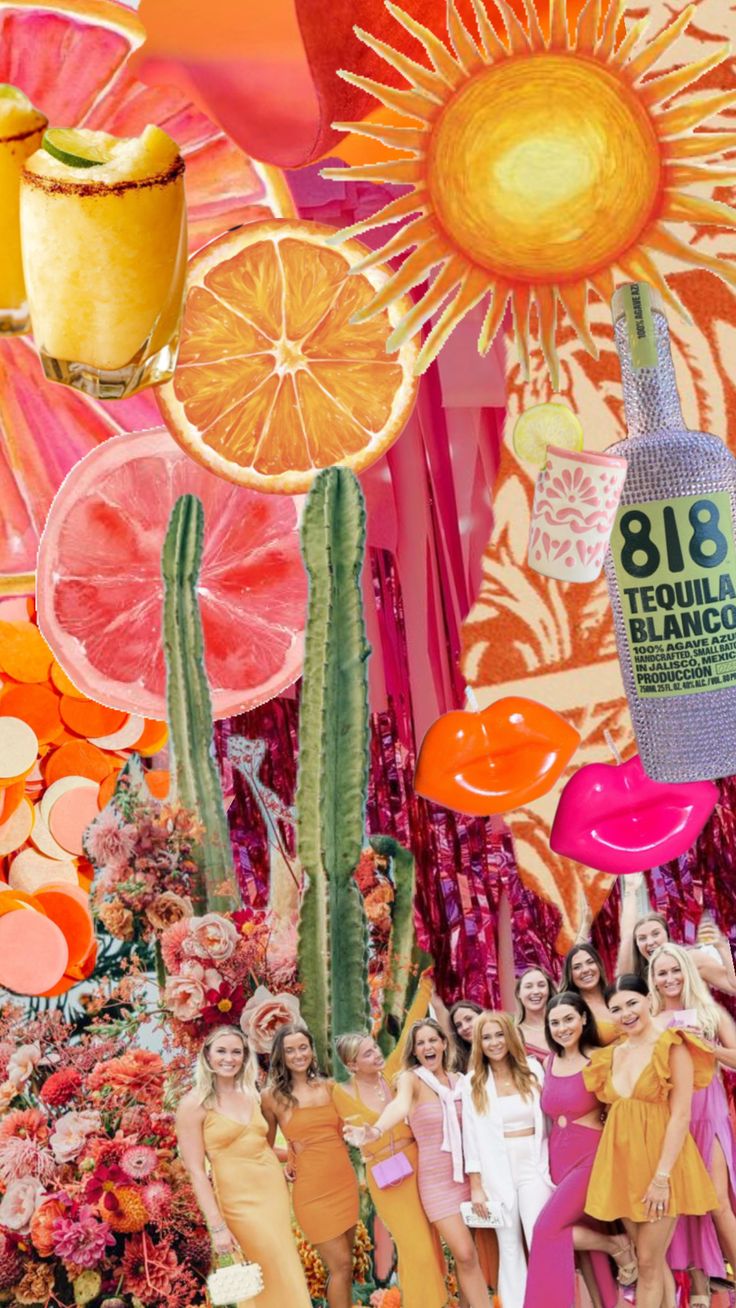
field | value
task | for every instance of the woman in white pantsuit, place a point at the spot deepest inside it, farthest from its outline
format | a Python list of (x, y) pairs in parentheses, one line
[(505, 1143)]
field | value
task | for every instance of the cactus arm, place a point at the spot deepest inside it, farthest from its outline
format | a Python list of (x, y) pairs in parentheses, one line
[(196, 780), (333, 762)]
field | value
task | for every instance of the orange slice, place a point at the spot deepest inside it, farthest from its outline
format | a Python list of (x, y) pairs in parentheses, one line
[(274, 380)]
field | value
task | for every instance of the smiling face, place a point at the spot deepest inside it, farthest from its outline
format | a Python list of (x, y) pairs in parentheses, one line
[(462, 1020), (429, 1048), (369, 1060), (493, 1042), (631, 1012), (533, 992), (566, 1026), (668, 979), (649, 936), (584, 971), (297, 1052), (226, 1055)]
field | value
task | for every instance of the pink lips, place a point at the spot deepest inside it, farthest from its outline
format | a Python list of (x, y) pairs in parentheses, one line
[(616, 819)]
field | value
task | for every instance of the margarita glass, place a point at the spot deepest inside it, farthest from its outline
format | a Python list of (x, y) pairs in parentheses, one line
[(103, 225), (21, 129)]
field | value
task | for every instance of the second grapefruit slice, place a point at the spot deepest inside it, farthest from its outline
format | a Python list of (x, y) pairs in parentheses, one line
[(100, 591)]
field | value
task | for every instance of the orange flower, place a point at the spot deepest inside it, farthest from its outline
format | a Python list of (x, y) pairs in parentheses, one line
[(42, 1226), (130, 1216), (139, 1073)]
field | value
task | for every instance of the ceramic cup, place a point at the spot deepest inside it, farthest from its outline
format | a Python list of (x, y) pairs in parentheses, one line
[(575, 503)]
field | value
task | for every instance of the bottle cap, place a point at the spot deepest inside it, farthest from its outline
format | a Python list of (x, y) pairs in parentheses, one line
[(621, 296)]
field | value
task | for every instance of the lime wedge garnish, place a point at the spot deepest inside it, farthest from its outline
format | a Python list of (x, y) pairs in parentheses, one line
[(10, 92), (543, 425), (76, 149)]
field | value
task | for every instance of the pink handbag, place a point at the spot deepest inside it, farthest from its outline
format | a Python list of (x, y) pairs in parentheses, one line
[(393, 1170)]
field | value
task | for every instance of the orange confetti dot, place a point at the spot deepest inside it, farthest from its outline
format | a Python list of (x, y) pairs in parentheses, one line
[(24, 653), (154, 737), (36, 705), (88, 718), (107, 788), (77, 759), (62, 682), (158, 781)]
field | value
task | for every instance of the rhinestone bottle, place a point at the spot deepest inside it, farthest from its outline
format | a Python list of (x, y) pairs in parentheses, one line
[(671, 566)]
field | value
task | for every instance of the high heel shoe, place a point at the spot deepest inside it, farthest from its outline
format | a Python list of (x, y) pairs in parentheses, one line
[(628, 1272)]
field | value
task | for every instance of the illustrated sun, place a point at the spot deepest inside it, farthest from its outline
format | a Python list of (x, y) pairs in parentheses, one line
[(537, 166)]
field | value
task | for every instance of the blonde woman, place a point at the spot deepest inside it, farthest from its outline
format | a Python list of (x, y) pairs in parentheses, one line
[(429, 1095), (244, 1200), (505, 1142), (680, 997)]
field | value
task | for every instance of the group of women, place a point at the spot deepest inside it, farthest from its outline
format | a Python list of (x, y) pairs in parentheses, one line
[(590, 1129)]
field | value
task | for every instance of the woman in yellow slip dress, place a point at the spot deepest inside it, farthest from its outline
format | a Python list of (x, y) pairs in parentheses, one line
[(360, 1102), (584, 973), (647, 1170), (245, 1200)]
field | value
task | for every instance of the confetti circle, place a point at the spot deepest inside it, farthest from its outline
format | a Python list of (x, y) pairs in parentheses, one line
[(70, 816), (59, 788), (30, 871), (17, 829), (18, 749), (33, 953)]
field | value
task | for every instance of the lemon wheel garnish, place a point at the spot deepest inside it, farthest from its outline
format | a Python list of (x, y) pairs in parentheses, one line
[(75, 149), (543, 425)]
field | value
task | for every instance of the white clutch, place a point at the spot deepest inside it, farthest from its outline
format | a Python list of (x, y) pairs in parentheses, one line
[(233, 1282), (495, 1215)]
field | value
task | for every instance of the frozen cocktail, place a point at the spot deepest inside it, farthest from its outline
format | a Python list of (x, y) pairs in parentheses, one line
[(21, 129)]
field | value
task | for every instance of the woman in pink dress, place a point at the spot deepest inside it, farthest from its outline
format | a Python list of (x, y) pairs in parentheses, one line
[(534, 988), (429, 1096), (577, 1118), (681, 998)]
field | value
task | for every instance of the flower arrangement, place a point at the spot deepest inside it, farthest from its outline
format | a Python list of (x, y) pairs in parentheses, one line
[(314, 1268), (375, 885), (93, 1200)]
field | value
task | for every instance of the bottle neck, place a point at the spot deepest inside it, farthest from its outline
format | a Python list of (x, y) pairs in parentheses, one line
[(651, 400)]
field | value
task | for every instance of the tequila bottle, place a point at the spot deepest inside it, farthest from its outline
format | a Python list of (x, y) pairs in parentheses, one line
[(671, 566)]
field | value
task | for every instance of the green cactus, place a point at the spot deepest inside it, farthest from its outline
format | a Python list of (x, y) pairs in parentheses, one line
[(195, 779), (333, 765), (405, 959)]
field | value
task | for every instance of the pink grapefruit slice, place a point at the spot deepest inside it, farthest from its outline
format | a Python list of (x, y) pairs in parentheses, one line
[(99, 591)]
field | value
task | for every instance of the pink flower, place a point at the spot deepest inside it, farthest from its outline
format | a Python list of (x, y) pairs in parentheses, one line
[(109, 841), (158, 1197), (212, 936), (184, 997), (139, 1161), (19, 1203), (22, 1063), (82, 1241), (71, 1131), (209, 976), (264, 1013), (20, 1157), (8, 1091), (172, 942), (282, 947)]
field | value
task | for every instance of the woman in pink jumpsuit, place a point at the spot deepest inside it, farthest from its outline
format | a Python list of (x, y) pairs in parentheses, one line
[(562, 1226)]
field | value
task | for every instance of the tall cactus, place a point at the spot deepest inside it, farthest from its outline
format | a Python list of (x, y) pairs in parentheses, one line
[(333, 764), (195, 779)]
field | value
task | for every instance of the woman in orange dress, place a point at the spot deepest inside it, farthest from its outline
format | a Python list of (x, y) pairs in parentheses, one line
[(360, 1101), (585, 974), (647, 1169), (325, 1193)]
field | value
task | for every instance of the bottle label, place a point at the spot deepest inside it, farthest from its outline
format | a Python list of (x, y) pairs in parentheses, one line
[(637, 303), (675, 564)]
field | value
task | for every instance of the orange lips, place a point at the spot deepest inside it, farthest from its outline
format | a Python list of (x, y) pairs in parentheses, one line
[(495, 760)]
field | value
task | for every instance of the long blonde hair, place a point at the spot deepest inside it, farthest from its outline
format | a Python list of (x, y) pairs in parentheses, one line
[(695, 993), (204, 1077), (479, 1066), (410, 1060)]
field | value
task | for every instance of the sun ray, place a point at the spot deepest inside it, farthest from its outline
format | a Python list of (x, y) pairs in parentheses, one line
[(472, 290), (512, 197), (466, 51), (663, 88), (415, 233), (635, 32), (423, 79), (657, 237), (638, 267), (398, 171), (494, 315), (587, 29), (409, 103), (440, 57), (413, 140), (648, 57), (402, 207), (546, 301), (559, 38), (493, 46), (574, 298), (683, 208), (517, 37), (683, 116), (702, 144), (446, 281), (614, 14), (412, 271)]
